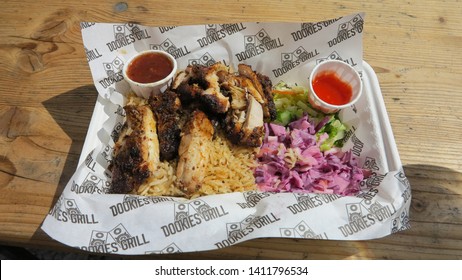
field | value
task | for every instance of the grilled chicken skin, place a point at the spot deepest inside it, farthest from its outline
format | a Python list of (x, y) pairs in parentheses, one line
[(165, 107), (200, 83), (243, 100), (263, 86), (136, 151), (196, 137), (269, 108), (244, 125)]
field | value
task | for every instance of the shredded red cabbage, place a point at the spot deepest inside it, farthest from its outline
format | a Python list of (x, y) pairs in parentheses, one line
[(290, 160)]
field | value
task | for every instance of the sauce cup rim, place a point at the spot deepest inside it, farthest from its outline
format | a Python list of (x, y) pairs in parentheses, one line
[(153, 84), (333, 106)]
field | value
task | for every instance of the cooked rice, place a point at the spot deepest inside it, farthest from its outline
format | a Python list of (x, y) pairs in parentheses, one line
[(230, 169)]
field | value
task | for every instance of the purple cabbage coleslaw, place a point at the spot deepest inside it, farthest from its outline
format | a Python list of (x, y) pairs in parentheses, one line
[(291, 159)]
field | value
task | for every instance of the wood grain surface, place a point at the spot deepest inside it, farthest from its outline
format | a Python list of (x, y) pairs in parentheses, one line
[(47, 98)]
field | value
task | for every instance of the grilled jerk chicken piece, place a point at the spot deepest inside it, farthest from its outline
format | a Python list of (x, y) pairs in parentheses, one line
[(136, 152), (244, 120), (245, 125), (196, 137), (245, 98), (165, 107), (253, 126), (212, 95), (263, 86), (198, 82)]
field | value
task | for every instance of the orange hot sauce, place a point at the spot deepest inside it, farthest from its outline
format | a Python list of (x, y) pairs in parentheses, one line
[(331, 89)]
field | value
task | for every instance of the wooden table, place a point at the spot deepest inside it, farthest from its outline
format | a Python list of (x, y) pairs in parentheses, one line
[(47, 99)]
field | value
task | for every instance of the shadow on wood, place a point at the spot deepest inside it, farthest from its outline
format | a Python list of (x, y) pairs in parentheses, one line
[(72, 111)]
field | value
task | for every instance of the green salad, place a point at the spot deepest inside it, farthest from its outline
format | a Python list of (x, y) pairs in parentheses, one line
[(292, 103)]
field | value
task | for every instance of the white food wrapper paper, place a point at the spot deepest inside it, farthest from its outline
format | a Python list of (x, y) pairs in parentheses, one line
[(85, 217)]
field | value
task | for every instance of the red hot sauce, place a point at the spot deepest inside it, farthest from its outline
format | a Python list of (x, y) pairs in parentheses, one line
[(331, 89), (149, 68)]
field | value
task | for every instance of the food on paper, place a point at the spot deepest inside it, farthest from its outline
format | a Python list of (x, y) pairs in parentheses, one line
[(301, 150), (292, 103), (201, 83), (335, 131), (225, 167), (206, 126), (244, 98), (136, 153), (291, 160), (211, 133), (263, 86), (194, 149), (283, 51)]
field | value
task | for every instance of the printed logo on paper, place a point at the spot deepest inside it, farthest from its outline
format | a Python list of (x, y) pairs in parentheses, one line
[(125, 35), (90, 162), (375, 178), (168, 46), (187, 215), (358, 145), (301, 230), (236, 231), (356, 23), (307, 201), (113, 71), (113, 241), (120, 111), (335, 56), (92, 184), (291, 60), (401, 177), (255, 45), (401, 222), (92, 54), (88, 24), (116, 131), (308, 28), (348, 134), (132, 202), (164, 29), (217, 32), (106, 153), (205, 60), (347, 30), (66, 210), (365, 214), (252, 198), (170, 249), (370, 164), (300, 54)]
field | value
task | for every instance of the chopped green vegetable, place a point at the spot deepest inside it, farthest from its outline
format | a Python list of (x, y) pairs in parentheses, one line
[(292, 103), (335, 129)]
